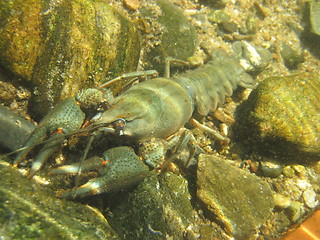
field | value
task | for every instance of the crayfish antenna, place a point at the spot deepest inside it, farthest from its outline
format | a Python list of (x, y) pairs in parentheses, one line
[(83, 158)]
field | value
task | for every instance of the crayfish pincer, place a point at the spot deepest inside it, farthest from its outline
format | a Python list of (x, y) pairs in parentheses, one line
[(150, 113), (67, 117), (119, 167)]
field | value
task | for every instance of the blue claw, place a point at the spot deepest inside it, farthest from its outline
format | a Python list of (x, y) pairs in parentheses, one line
[(120, 169), (67, 116)]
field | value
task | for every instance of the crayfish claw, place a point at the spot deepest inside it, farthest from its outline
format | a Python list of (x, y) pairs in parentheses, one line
[(67, 116), (93, 187), (89, 165), (38, 135), (120, 169), (48, 149)]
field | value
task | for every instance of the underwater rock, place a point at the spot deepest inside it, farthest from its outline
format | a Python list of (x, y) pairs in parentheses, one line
[(155, 209), (252, 58), (295, 211), (229, 27), (14, 129), (29, 210), (250, 26), (281, 201), (292, 57), (310, 198), (241, 201), (63, 46), (270, 169), (218, 16), (315, 16), (281, 118), (177, 36), (7, 92)]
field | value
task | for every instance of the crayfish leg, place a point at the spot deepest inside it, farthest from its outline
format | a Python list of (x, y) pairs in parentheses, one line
[(158, 153)]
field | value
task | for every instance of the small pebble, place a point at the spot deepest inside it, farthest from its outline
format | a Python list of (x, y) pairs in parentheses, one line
[(229, 27), (303, 184), (281, 201), (295, 211), (270, 169), (251, 58), (250, 26), (7, 92), (309, 197), (300, 170), (219, 16), (131, 4), (292, 57), (288, 171)]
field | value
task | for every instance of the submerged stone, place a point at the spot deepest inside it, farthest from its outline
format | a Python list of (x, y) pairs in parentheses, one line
[(157, 208), (59, 47), (177, 36), (29, 210), (281, 118), (241, 201), (292, 57), (252, 58), (315, 16)]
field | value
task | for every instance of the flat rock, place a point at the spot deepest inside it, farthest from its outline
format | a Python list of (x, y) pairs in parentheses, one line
[(239, 200)]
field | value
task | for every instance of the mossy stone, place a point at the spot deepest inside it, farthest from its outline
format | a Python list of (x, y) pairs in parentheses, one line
[(63, 46), (30, 210), (179, 38), (158, 207), (281, 118)]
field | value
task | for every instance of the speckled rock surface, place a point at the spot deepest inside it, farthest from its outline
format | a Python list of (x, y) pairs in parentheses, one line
[(63, 46), (156, 209), (281, 118), (30, 210), (238, 199), (178, 36)]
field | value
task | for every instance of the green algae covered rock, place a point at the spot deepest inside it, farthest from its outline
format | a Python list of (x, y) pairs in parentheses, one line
[(178, 38), (62, 46), (29, 210), (281, 118), (155, 209), (241, 201)]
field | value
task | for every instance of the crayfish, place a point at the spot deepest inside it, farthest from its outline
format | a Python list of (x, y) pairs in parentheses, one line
[(150, 113)]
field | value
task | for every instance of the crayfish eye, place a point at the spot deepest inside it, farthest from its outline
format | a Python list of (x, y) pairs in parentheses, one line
[(119, 124)]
